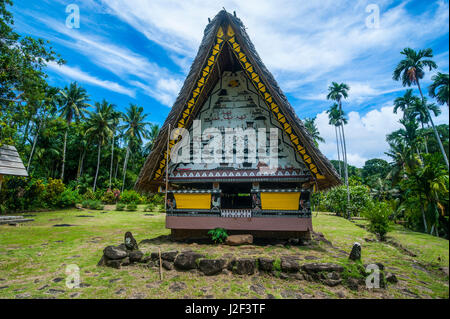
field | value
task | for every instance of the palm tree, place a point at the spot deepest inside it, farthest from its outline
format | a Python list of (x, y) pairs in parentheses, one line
[(335, 119), (411, 71), (99, 126), (336, 92), (115, 117), (420, 109), (153, 134), (440, 83), (73, 104), (312, 129), (404, 102), (134, 130)]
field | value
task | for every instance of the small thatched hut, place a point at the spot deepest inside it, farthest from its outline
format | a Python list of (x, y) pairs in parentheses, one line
[(229, 88)]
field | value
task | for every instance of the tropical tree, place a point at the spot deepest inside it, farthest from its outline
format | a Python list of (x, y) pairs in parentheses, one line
[(311, 127), (115, 118), (411, 70), (439, 88), (100, 127), (135, 130), (73, 105), (336, 118), (337, 92), (153, 134), (404, 102)]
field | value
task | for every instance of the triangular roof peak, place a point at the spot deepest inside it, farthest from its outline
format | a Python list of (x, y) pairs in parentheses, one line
[(226, 45)]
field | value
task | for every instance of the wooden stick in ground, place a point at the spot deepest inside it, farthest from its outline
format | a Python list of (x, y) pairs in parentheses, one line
[(160, 264)]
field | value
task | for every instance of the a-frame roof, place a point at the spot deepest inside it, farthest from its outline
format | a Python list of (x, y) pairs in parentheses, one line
[(10, 162), (226, 41)]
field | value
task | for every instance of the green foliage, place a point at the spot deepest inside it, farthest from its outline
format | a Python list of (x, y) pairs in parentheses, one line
[(89, 194), (52, 192), (379, 214), (218, 235), (336, 199), (120, 206), (149, 208), (68, 198), (111, 196), (132, 206), (131, 196), (92, 204)]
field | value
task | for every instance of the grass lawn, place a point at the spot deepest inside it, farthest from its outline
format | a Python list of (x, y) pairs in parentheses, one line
[(34, 257)]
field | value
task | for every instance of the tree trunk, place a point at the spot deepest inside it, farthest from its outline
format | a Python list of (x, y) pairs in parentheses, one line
[(424, 220), (112, 160), (98, 164), (339, 156), (426, 139), (34, 145), (434, 128), (345, 163), (125, 163), (80, 163), (64, 154)]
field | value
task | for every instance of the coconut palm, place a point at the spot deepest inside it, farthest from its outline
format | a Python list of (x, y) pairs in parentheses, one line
[(73, 104), (134, 130), (335, 119), (404, 102), (115, 117), (311, 127), (153, 134), (337, 92), (411, 70), (440, 83), (420, 109), (99, 126)]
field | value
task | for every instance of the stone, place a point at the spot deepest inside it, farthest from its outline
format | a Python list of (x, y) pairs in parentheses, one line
[(169, 255), (114, 263), (167, 265), (265, 264), (311, 257), (340, 294), (321, 267), (113, 252), (391, 278), (78, 206), (187, 260), (289, 264), (244, 266), (355, 254), (177, 286), (353, 283), (130, 242), (125, 262), (235, 240), (23, 296), (58, 279), (120, 291), (332, 282), (258, 288), (102, 261), (270, 296), (135, 255), (55, 291), (211, 267)]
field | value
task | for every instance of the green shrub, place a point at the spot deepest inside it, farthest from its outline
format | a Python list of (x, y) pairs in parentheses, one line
[(336, 199), (149, 208), (110, 196), (52, 191), (92, 204), (89, 194), (131, 196), (218, 235), (120, 206), (68, 198), (157, 199), (378, 214), (132, 207)]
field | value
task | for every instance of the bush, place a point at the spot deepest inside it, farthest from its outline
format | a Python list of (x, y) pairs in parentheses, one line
[(336, 199), (120, 206), (131, 196), (89, 194), (111, 196), (218, 235), (52, 191), (92, 204), (132, 207), (157, 199), (149, 208), (378, 214), (68, 198)]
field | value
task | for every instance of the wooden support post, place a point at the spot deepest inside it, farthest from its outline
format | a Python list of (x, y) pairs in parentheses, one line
[(167, 169), (160, 264)]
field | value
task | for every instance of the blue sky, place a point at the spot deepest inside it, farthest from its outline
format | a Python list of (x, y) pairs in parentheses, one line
[(139, 51)]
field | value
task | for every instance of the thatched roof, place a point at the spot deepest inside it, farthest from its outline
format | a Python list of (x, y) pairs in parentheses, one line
[(228, 52), (10, 162)]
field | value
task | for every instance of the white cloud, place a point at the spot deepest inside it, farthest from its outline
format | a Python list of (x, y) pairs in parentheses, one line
[(78, 75), (365, 134)]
